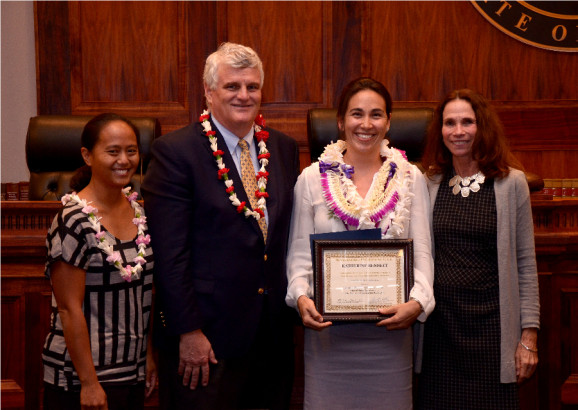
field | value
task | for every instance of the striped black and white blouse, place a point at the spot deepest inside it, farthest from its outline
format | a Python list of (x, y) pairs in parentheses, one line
[(116, 311)]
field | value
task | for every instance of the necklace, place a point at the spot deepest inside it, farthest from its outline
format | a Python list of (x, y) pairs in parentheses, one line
[(223, 172), (127, 272), (387, 206), (467, 184)]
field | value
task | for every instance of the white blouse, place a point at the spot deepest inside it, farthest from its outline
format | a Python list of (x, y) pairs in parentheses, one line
[(311, 216)]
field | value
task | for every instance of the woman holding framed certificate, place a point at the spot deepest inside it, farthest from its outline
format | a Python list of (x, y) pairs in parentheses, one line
[(360, 183), (482, 338)]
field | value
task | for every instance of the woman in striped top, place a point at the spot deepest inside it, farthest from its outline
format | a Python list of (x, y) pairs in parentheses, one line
[(100, 266)]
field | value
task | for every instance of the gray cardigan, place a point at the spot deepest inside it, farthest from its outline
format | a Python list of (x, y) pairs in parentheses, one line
[(518, 278)]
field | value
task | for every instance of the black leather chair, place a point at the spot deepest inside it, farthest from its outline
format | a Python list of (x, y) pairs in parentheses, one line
[(407, 132), (53, 152)]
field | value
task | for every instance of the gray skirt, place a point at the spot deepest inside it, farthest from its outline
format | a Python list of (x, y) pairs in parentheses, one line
[(358, 366)]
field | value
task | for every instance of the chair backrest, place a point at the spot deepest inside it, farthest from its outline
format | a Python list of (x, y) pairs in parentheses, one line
[(407, 132), (53, 152)]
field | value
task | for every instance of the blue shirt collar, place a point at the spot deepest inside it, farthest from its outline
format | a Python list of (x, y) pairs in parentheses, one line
[(231, 139)]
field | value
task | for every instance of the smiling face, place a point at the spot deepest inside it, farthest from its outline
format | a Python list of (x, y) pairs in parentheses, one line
[(365, 122), (459, 129), (236, 100), (115, 156)]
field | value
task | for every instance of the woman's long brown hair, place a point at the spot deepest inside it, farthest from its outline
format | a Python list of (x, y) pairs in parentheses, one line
[(490, 148)]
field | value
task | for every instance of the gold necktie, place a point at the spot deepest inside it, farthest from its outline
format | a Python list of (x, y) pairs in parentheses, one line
[(250, 182)]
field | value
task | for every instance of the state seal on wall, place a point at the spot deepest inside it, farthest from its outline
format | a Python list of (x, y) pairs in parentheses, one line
[(551, 25)]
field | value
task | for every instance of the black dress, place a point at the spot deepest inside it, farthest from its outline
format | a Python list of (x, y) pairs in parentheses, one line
[(461, 367)]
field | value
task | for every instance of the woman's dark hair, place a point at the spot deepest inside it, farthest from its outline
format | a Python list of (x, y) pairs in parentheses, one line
[(89, 138), (490, 148), (360, 84)]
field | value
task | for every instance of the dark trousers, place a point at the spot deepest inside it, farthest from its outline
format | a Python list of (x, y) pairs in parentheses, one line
[(118, 398), (261, 379)]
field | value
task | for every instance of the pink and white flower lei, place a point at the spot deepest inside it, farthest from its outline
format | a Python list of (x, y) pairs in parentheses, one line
[(388, 202), (127, 272), (223, 173)]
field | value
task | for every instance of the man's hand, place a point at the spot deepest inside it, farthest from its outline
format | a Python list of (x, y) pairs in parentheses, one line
[(195, 353), (404, 315), (310, 316)]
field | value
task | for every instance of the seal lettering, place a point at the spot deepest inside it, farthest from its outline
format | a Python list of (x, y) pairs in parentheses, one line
[(543, 24), (525, 19)]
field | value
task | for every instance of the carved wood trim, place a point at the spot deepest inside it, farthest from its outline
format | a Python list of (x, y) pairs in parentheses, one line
[(570, 390), (555, 215), (13, 396)]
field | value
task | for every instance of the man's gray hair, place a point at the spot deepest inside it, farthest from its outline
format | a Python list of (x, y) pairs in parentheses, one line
[(234, 55)]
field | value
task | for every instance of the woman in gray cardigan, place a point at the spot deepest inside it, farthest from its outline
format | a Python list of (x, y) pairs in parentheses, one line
[(481, 340)]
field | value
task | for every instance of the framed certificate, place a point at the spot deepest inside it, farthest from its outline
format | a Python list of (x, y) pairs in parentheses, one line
[(354, 278)]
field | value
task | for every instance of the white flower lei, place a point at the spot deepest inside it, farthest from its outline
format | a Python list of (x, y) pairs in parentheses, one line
[(127, 272), (388, 207), (262, 175)]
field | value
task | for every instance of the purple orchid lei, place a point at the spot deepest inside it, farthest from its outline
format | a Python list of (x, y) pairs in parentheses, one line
[(341, 196)]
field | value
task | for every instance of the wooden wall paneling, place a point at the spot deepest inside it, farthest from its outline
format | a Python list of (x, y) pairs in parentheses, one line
[(13, 359), (289, 38), (202, 42), (418, 51), (422, 50), (549, 344), (392, 51), (51, 30), (557, 257), (114, 43), (124, 58), (38, 310), (22, 350), (525, 73), (534, 127), (550, 163), (119, 56), (25, 293), (545, 341), (543, 135), (569, 341), (293, 40), (347, 20)]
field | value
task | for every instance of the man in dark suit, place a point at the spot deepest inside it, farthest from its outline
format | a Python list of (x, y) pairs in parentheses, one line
[(226, 333)]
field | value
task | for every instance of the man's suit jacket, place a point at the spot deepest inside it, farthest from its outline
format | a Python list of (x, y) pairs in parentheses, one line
[(212, 270)]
